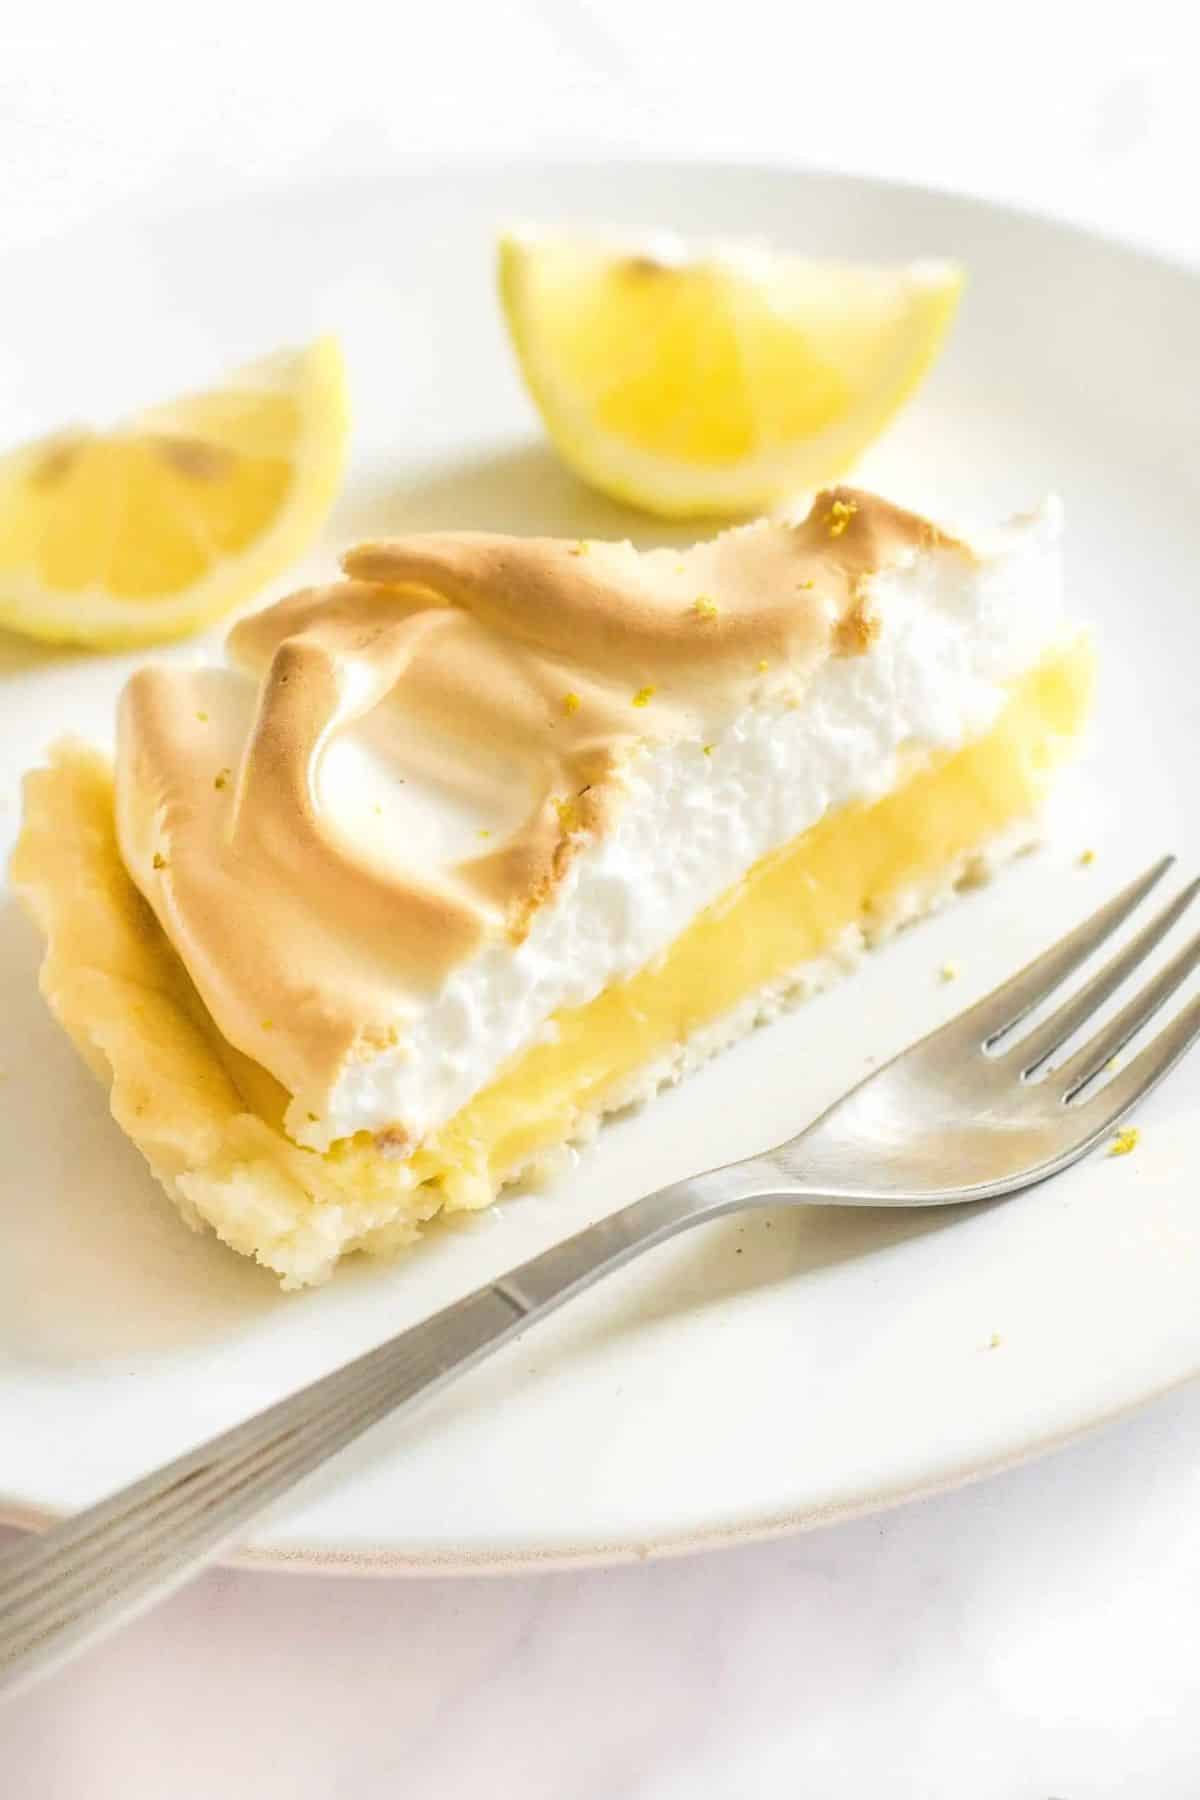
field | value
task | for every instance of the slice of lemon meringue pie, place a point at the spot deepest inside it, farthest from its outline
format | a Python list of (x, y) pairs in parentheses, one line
[(496, 835)]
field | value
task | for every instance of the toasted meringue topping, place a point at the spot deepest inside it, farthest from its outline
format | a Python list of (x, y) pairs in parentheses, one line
[(397, 770)]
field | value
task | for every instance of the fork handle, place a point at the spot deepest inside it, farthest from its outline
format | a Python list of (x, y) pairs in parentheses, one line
[(83, 1577)]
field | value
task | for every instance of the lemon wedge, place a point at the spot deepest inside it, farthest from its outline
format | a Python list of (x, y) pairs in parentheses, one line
[(148, 531), (718, 380)]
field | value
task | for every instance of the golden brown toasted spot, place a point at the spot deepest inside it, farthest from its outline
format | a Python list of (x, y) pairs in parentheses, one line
[(393, 1140), (857, 629)]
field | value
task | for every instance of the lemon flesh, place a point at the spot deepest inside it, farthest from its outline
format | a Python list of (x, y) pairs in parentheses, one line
[(148, 531), (717, 382)]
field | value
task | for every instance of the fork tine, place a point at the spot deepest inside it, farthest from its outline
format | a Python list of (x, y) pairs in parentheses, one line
[(1099, 1050), (1008, 1004), (1066, 1020), (1147, 1068)]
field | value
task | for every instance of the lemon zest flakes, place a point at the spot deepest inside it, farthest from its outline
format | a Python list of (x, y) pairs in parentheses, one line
[(579, 549), (1124, 1141), (644, 696), (568, 814), (763, 665), (1086, 858), (571, 703), (840, 515), (221, 780), (203, 717), (158, 861), (708, 749), (704, 608), (804, 586), (950, 970)]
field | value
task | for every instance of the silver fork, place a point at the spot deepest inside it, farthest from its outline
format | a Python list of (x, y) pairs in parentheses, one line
[(960, 1116)]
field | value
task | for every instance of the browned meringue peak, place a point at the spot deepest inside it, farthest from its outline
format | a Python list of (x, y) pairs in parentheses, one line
[(775, 588), (513, 675)]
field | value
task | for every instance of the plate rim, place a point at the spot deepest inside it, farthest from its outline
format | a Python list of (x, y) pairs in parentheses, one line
[(142, 215), (378, 1562)]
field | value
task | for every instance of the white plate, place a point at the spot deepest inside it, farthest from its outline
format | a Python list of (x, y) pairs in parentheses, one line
[(765, 1373)]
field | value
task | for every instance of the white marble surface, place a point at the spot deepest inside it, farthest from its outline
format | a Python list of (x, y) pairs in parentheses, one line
[(1036, 1636)]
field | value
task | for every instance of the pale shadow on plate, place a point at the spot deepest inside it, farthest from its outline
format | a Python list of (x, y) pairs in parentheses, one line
[(94, 1260), (522, 488), (709, 1270), (718, 1264)]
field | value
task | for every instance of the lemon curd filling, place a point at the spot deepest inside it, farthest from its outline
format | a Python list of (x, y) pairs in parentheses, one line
[(209, 1120)]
